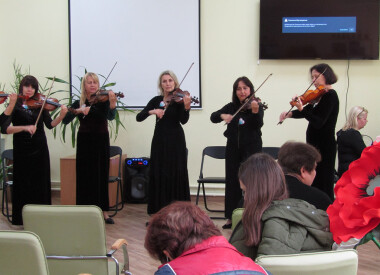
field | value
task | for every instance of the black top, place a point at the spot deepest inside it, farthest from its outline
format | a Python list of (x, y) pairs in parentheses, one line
[(350, 147), (244, 128), (322, 119), (314, 196)]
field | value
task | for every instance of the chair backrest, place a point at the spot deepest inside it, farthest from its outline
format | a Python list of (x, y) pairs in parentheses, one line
[(272, 151), (22, 252), (217, 152), (116, 151), (67, 230), (339, 262)]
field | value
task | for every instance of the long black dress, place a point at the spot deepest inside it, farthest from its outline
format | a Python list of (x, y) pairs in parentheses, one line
[(168, 177), (243, 139), (93, 154), (321, 134), (31, 161)]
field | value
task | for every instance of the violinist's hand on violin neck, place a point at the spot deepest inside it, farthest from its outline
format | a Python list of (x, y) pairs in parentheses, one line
[(187, 100), (226, 118), (255, 106), (64, 110)]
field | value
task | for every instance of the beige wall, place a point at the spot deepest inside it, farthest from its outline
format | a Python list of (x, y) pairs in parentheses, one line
[(35, 34)]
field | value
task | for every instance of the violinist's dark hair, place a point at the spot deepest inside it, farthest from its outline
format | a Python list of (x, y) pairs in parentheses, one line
[(328, 73), (27, 81), (247, 82), (295, 155)]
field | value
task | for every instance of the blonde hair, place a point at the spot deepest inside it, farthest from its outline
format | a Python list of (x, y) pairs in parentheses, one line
[(352, 120), (83, 95), (172, 75)]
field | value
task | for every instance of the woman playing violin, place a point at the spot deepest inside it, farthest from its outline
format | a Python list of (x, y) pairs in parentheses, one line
[(168, 177), (322, 116), (243, 138), (92, 160), (31, 167)]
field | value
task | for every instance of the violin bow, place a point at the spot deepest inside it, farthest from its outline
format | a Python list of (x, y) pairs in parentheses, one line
[(43, 104), (107, 76), (280, 122), (186, 74), (252, 96)]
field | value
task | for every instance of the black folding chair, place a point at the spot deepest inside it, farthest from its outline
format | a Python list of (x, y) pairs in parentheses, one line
[(216, 152)]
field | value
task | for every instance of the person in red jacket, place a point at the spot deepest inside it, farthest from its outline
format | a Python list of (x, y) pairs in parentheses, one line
[(186, 241)]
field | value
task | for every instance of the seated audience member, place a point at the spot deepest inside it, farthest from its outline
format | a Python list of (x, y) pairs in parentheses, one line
[(272, 223), (298, 161), (349, 139), (186, 241)]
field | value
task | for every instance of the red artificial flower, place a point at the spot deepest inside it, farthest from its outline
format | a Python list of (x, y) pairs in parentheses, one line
[(356, 209)]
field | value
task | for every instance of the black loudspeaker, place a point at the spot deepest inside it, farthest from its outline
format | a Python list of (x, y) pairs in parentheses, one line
[(136, 178)]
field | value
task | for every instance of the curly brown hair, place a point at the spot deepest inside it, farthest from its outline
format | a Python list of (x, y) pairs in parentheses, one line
[(176, 228)]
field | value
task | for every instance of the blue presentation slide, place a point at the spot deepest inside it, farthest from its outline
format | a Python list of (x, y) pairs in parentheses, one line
[(319, 24)]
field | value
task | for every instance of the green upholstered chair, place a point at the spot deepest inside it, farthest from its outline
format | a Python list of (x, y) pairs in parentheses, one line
[(74, 239), (22, 252), (338, 262)]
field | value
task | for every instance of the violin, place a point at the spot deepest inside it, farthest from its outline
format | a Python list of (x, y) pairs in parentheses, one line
[(102, 96), (248, 101), (3, 97), (38, 100), (310, 96), (177, 96)]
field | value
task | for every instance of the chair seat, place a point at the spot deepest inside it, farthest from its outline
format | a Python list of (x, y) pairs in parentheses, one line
[(221, 180)]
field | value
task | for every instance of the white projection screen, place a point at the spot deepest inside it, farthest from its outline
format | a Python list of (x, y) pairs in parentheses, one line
[(144, 37)]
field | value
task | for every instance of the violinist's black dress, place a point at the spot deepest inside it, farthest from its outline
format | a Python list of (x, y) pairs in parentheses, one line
[(168, 178), (243, 139), (31, 164), (93, 151), (321, 134)]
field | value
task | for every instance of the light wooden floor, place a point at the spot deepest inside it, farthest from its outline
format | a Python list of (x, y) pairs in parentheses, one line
[(130, 225)]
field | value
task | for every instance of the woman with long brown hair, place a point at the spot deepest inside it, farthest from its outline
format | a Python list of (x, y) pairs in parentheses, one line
[(272, 223)]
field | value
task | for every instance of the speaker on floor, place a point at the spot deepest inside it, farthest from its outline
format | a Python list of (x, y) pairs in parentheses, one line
[(136, 178)]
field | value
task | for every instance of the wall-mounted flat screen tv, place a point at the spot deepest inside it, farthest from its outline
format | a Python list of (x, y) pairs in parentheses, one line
[(324, 29)]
